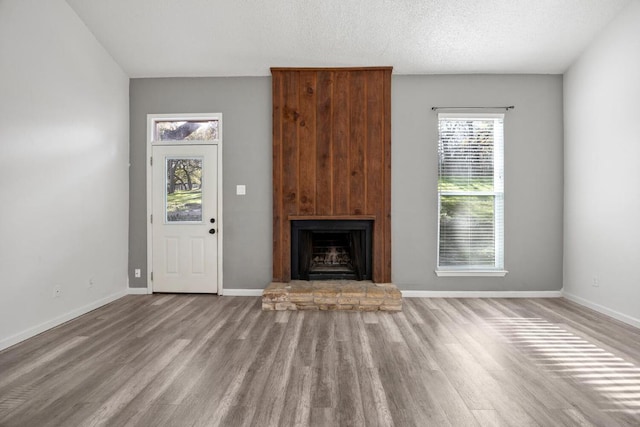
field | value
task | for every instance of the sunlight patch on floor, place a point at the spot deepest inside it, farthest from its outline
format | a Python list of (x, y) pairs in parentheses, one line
[(614, 379)]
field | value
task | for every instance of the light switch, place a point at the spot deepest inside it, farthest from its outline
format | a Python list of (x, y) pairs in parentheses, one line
[(241, 190)]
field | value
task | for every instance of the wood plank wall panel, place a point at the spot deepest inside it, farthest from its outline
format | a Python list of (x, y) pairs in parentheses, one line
[(277, 162), (357, 133), (332, 154), (340, 122), (375, 159), (307, 143), (324, 167), (386, 144), (290, 182)]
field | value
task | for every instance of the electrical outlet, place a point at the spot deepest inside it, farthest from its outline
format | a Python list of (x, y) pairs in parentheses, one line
[(57, 291), (596, 281), (137, 273)]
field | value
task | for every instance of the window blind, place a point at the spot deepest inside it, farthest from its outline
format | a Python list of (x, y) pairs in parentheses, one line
[(471, 191)]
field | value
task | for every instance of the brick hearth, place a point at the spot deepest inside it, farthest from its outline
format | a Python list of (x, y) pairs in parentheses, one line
[(332, 295)]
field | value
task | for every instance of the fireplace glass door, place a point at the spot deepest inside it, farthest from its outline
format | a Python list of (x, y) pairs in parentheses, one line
[(331, 249)]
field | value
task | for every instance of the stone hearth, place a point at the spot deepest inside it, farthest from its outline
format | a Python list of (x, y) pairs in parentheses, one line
[(332, 295)]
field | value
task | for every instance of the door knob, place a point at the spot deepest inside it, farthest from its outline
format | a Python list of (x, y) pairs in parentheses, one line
[(212, 231)]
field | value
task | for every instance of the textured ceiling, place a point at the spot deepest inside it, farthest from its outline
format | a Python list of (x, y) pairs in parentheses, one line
[(162, 38)]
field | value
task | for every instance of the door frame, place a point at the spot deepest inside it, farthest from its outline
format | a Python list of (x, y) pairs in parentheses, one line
[(151, 119)]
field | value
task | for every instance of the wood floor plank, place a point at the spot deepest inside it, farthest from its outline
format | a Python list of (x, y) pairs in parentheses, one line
[(488, 418), (374, 401), (297, 401), (134, 385), (153, 415), (202, 360), (271, 404), (229, 387), (445, 395), (324, 368), (349, 400)]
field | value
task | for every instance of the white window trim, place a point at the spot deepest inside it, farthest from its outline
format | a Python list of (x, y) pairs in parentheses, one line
[(153, 118), (471, 271)]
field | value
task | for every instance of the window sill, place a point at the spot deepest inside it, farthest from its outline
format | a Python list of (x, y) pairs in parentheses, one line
[(471, 273)]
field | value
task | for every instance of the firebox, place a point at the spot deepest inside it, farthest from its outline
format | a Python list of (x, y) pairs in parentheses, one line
[(331, 249)]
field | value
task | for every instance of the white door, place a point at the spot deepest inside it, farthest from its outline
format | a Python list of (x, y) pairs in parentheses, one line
[(184, 222)]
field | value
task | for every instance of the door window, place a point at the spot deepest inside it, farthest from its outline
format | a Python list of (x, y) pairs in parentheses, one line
[(184, 190), (186, 130)]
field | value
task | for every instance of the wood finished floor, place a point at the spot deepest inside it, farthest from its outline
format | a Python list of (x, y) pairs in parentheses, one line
[(206, 360)]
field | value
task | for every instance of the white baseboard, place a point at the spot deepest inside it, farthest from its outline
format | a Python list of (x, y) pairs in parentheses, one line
[(431, 294), (242, 292), (604, 310), (225, 292), (482, 294), (31, 332)]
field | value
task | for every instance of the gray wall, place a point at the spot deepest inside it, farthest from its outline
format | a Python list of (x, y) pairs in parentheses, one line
[(64, 149), (533, 157), (246, 107), (602, 143), (533, 178)]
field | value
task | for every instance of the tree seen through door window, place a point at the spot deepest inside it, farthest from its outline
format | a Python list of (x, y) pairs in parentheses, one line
[(184, 189)]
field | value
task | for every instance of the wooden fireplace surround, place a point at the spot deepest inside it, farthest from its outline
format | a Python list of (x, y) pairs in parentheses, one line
[(332, 155)]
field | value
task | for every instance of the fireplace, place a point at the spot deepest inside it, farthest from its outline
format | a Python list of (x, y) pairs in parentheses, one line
[(331, 190), (332, 162), (331, 249)]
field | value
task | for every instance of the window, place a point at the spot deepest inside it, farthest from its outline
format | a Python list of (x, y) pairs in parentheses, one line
[(185, 130), (470, 195), (183, 196)]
